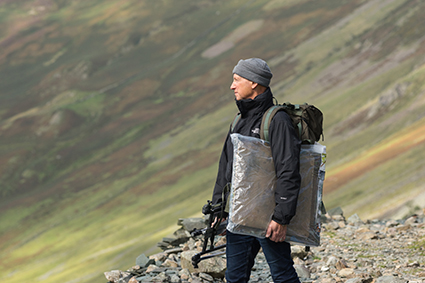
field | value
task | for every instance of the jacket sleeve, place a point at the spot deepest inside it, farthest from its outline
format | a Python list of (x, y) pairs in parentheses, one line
[(285, 147), (224, 170)]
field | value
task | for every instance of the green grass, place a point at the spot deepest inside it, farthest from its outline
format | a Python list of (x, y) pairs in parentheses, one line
[(382, 188), (128, 228)]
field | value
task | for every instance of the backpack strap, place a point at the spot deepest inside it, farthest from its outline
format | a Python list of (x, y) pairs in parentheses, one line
[(299, 125), (235, 121), (265, 122), (269, 114)]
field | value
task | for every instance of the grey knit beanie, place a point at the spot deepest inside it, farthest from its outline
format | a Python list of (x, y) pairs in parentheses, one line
[(255, 70)]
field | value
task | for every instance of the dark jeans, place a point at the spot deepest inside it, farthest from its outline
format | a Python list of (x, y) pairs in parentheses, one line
[(241, 251)]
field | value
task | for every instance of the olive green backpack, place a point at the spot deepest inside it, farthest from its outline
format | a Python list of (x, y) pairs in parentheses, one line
[(307, 120)]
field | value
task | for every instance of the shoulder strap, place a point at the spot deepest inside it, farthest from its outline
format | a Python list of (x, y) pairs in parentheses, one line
[(299, 126), (291, 109), (235, 121), (265, 122)]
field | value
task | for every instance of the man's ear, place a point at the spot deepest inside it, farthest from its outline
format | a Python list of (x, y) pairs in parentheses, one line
[(254, 85)]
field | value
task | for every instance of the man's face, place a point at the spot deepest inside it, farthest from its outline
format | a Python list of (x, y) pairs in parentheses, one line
[(242, 88)]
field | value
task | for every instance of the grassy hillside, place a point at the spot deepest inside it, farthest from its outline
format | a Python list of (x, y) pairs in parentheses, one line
[(113, 114)]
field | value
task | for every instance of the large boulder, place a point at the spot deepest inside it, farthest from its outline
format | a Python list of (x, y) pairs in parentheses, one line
[(215, 266)]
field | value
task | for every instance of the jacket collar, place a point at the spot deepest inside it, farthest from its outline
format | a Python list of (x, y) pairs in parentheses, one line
[(258, 105)]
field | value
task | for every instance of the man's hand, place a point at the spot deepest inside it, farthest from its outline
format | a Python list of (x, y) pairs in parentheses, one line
[(276, 232)]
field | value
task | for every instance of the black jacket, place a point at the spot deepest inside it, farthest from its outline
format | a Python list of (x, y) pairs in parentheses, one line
[(285, 147)]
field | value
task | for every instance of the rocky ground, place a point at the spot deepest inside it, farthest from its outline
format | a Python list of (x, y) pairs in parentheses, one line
[(351, 250)]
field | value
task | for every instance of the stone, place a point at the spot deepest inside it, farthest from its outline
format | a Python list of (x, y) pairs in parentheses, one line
[(181, 236), (168, 240), (143, 261), (297, 260), (173, 251), (362, 230), (206, 277), (332, 261), (298, 251), (365, 234), (335, 211), (184, 274), (182, 233), (173, 257), (411, 220), (215, 266), (185, 247), (338, 218), (346, 272), (389, 279), (190, 224), (325, 218), (391, 223), (196, 280), (354, 219), (402, 228), (161, 277), (332, 226), (413, 264), (191, 244), (173, 241), (142, 278), (175, 279), (341, 264), (159, 256), (169, 263), (163, 245), (345, 255), (115, 275), (326, 280), (186, 261), (153, 269), (375, 273), (220, 241), (302, 271)]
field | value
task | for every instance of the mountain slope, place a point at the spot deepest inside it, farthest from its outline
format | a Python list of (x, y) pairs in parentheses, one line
[(113, 114)]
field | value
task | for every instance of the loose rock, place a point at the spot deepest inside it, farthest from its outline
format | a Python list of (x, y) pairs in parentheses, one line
[(351, 251)]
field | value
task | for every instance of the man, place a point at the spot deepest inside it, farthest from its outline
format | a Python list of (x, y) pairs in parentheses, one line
[(251, 79)]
